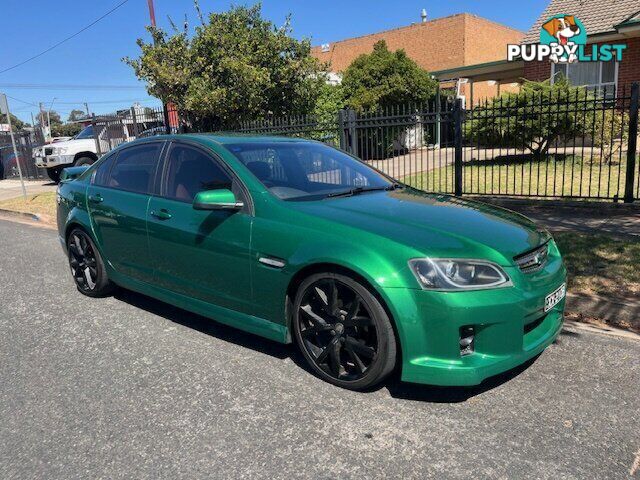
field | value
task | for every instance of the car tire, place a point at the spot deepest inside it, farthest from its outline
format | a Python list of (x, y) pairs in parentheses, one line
[(87, 268), (337, 314), (54, 174), (83, 161)]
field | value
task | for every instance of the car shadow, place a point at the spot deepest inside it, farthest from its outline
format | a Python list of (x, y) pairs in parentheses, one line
[(204, 324), (396, 388)]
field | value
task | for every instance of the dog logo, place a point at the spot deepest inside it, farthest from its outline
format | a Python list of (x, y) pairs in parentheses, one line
[(565, 31), (563, 39)]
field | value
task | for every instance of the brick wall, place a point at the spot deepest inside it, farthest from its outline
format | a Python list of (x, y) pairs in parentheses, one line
[(537, 71), (486, 41), (439, 44), (629, 68)]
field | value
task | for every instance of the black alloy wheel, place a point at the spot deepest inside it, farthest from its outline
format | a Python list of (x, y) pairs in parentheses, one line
[(343, 331), (86, 265)]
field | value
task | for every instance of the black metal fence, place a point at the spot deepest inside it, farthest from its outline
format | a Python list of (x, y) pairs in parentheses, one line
[(25, 141), (578, 145)]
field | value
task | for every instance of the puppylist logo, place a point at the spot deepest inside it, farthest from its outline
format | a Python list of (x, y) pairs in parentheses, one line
[(563, 39)]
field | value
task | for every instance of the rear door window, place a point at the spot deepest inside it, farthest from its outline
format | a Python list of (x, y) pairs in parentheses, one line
[(134, 168), (101, 178)]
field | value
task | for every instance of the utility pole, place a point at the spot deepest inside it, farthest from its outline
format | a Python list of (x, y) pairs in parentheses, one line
[(152, 13), (49, 117), (4, 108), (86, 106), (44, 136)]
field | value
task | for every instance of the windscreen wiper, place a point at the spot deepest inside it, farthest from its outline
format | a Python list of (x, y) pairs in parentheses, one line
[(358, 190)]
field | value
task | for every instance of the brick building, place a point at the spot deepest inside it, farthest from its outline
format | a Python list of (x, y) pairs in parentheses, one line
[(439, 44)]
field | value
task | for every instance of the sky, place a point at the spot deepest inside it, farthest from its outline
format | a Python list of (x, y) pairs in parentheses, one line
[(89, 68)]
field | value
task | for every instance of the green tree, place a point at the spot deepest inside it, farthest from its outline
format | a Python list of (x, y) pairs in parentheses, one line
[(535, 118), (383, 79), (54, 116), (75, 115), (16, 123), (65, 129), (235, 66)]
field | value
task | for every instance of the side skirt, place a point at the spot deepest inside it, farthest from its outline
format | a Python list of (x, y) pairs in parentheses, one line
[(248, 323)]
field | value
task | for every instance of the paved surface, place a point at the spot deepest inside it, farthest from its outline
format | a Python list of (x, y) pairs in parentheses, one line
[(128, 387), (623, 221), (10, 188)]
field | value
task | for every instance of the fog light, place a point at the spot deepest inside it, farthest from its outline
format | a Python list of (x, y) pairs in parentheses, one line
[(467, 336)]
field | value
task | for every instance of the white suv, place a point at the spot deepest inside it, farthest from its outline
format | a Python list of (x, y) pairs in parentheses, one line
[(80, 150)]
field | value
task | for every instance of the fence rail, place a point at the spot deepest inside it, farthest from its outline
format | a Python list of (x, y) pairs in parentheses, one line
[(577, 145)]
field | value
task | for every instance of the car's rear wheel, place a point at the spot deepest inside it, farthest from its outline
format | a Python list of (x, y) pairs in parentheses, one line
[(54, 173), (343, 331), (87, 267)]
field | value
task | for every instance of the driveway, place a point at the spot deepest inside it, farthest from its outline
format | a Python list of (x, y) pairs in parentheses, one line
[(128, 387)]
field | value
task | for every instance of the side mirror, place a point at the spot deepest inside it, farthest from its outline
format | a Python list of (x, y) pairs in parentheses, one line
[(71, 173), (222, 199)]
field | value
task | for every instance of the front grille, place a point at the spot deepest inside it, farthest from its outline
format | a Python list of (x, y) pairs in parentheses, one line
[(48, 151), (533, 260)]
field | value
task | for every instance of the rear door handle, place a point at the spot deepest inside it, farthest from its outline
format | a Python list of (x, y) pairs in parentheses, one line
[(161, 214), (97, 198)]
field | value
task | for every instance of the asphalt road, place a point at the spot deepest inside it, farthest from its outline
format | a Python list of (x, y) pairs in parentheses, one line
[(127, 387)]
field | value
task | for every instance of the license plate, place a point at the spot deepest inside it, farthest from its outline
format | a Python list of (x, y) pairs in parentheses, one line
[(554, 297)]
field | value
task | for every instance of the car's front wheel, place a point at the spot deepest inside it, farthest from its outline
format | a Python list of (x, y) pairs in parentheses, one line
[(87, 267), (54, 173), (343, 331), (84, 161)]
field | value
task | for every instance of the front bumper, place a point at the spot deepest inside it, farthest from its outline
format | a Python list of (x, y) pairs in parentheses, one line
[(53, 161), (510, 327)]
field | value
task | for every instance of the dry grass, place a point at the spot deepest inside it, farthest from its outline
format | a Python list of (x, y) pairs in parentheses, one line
[(41, 204), (601, 264)]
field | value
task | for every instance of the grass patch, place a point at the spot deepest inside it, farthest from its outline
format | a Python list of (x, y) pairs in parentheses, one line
[(554, 177), (601, 264), (43, 204)]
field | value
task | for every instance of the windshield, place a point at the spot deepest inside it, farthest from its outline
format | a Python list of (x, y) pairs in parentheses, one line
[(87, 132), (306, 170)]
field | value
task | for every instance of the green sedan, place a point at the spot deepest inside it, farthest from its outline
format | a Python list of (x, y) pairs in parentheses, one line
[(300, 242)]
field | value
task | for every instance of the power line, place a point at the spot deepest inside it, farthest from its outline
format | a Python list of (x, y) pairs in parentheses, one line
[(65, 40), (22, 101), (101, 102), (61, 86)]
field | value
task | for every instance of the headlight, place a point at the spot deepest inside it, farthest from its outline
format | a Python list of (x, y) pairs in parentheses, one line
[(60, 150), (450, 274)]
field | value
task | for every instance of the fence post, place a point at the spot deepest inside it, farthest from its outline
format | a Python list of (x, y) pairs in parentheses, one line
[(457, 140), (135, 122), (347, 125), (96, 134), (632, 147), (341, 129)]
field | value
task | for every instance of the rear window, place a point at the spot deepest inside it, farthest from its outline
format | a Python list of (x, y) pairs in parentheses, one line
[(134, 168)]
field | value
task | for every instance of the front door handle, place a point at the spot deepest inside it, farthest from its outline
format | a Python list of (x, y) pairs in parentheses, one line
[(97, 198), (162, 214)]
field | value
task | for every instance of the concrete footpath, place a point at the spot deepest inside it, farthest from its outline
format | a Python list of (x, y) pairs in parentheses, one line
[(586, 217), (11, 188)]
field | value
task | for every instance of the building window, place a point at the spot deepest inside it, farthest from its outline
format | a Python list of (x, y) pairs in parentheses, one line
[(598, 76)]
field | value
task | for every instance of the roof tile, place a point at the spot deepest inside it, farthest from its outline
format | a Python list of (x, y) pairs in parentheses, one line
[(598, 16)]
